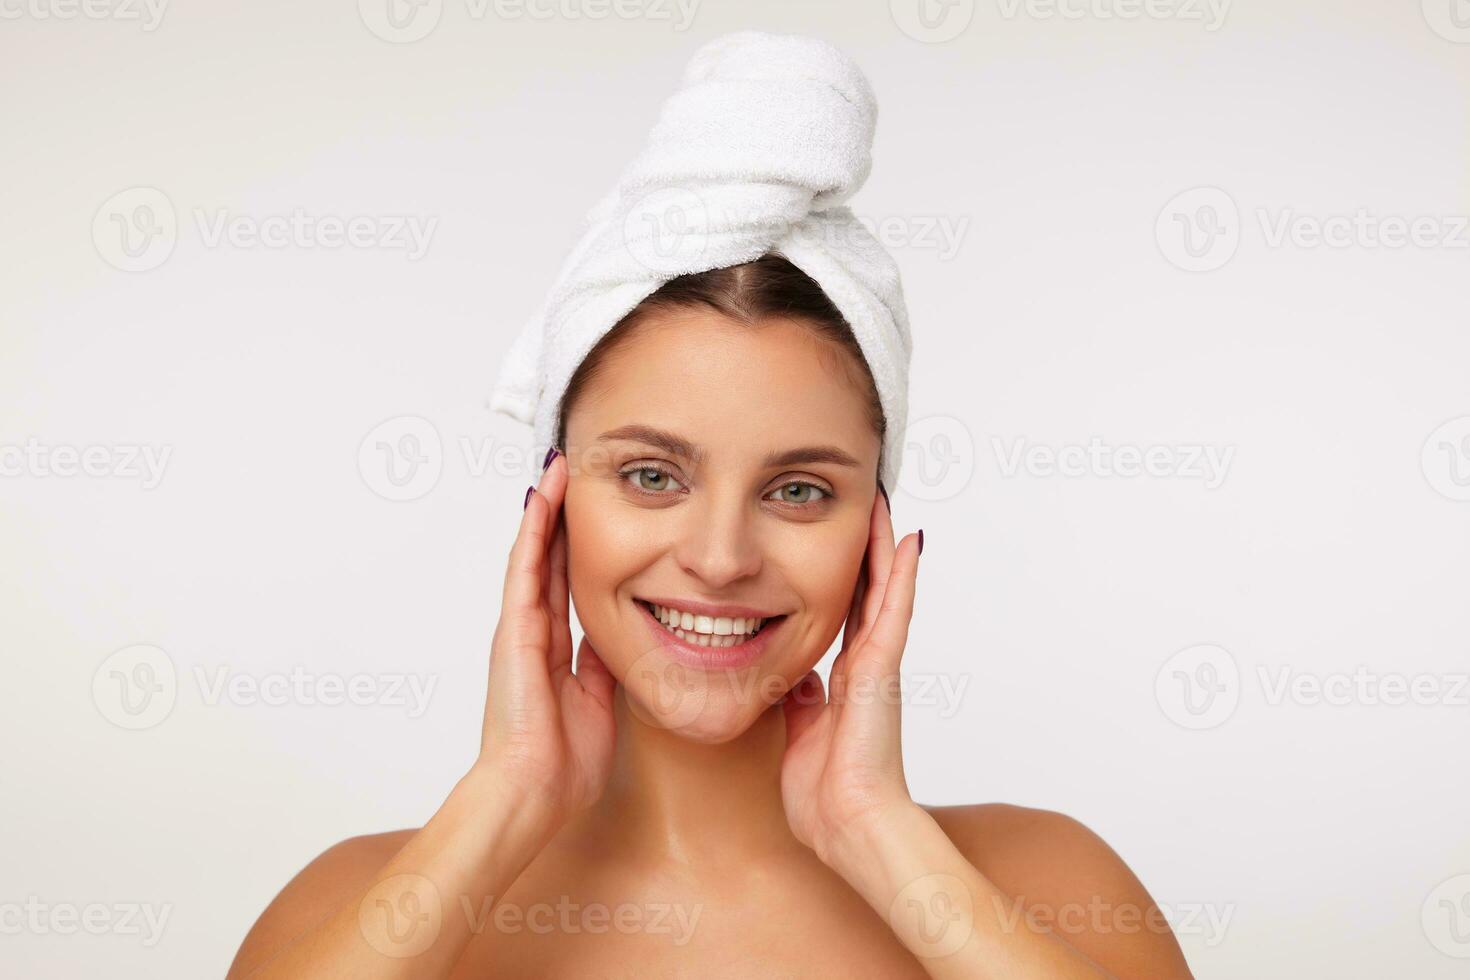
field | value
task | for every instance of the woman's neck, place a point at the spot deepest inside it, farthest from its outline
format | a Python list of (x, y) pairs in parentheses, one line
[(689, 803)]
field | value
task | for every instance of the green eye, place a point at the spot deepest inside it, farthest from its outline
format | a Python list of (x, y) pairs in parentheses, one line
[(797, 492), (653, 480), (649, 479)]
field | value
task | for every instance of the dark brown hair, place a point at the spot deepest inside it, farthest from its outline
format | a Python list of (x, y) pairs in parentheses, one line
[(770, 286)]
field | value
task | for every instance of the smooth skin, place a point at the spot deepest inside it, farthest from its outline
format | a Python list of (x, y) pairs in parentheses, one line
[(773, 833)]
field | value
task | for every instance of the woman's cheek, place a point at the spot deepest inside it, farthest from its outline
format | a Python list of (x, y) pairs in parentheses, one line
[(606, 548), (825, 573), (598, 516)]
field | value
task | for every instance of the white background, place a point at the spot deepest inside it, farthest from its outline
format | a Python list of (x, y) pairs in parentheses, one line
[(1054, 145)]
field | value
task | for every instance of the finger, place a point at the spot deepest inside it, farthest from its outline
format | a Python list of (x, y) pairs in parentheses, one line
[(803, 706), (853, 629), (880, 563), (557, 601), (884, 645), (854, 622), (524, 585)]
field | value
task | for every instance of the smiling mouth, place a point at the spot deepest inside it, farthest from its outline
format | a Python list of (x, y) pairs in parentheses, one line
[(707, 631)]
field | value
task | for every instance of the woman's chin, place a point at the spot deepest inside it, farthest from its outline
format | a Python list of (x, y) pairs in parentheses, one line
[(693, 710)]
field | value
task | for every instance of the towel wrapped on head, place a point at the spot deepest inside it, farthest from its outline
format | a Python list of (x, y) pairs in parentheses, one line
[(757, 151)]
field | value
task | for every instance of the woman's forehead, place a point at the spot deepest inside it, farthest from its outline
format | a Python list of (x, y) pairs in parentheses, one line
[(710, 377), (713, 351)]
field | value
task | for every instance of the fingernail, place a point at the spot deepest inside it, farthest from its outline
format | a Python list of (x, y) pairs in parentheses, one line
[(921, 540), (527, 502), (888, 503), (551, 454)]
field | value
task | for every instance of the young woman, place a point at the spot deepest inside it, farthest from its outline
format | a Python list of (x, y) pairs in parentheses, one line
[(690, 802)]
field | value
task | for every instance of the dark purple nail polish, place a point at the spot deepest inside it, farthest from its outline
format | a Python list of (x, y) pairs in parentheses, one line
[(527, 502), (551, 454), (921, 540), (883, 490)]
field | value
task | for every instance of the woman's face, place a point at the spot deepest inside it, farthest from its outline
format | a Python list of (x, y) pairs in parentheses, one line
[(717, 468)]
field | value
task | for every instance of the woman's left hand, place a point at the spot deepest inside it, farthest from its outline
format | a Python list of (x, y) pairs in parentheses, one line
[(843, 788), (843, 767)]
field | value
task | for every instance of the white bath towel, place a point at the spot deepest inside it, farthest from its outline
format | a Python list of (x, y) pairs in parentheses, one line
[(757, 151)]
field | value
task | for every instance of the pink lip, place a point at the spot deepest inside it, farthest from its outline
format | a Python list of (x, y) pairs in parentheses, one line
[(708, 608), (710, 658)]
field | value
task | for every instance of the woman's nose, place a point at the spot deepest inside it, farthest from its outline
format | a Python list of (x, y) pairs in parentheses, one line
[(717, 541)]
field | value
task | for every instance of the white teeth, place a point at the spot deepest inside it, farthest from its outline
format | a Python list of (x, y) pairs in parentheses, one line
[(707, 631), (706, 640), (709, 625)]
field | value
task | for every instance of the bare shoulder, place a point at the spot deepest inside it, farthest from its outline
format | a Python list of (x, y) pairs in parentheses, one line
[(1039, 851), (1069, 881), (318, 890)]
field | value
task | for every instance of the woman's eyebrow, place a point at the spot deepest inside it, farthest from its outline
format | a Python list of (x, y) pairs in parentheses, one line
[(670, 443), (679, 446), (810, 454)]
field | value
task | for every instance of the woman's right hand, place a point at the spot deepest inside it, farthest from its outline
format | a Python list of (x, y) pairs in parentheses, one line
[(548, 733), (545, 752)]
